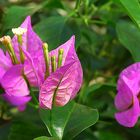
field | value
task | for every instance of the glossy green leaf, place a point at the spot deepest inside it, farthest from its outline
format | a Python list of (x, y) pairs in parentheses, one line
[(81, 118), (45, 138), (56, 119), (72, 116), (9, 20), (129, 36), (50, 29), (133, 9)]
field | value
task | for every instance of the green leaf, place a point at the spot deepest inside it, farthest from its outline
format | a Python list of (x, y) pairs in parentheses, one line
[(94, 87), (71, 28), (81, 118), (23, 130), (68, 121), (45, 138), (26, 127), (15, 15), (54, 4), (56, 119), (50, 29), (129, 36), (133, 9)]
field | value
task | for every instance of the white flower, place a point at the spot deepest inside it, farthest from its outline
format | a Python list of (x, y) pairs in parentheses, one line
[(19, 31)]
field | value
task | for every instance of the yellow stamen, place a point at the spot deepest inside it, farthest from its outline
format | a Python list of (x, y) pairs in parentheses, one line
[(60, 57), (53, 63), (7, 42), (46, 56)]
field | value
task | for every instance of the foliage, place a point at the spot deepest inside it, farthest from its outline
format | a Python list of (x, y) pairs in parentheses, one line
[(107, 40)]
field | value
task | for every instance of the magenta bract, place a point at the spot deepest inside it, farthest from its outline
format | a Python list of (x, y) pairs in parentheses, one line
[(127, 98), (63, 84), (32, 44), (15, 87)]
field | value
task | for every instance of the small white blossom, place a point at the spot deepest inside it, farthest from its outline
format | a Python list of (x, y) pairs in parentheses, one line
[(19, 31)]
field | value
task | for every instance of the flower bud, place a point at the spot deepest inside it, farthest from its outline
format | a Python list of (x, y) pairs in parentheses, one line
[(6, 40)]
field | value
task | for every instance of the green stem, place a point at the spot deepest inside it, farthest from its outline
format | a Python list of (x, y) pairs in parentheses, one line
[(82, 93), (34, 98), (33, 105)]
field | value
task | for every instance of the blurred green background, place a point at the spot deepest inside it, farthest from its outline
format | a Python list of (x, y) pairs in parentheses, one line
[(107, 40)]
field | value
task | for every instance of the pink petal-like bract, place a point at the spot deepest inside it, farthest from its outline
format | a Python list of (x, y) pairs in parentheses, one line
[(14, 83), (15, 87), (129, 117), (127, 98), (32, 44), (5, 63), (63, 84), (31, 69)]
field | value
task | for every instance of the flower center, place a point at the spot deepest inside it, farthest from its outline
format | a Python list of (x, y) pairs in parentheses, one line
[(54, 64)]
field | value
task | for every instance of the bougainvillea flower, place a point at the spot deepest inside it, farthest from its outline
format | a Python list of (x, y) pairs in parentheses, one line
[(62, 84), (127, 98), (32, 44), (15, 87), (58, 74)]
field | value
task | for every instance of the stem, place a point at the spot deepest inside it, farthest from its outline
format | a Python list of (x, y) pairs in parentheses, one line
[(33, 105), (82, 93), (77, 5), (34, 98)]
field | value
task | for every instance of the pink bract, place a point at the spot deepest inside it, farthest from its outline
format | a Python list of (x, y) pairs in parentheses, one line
[(15, 87), (63, 84), (127, 98)]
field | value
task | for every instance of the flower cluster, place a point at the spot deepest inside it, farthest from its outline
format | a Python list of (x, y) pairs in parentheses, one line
[(127, 100), (28, 63)]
